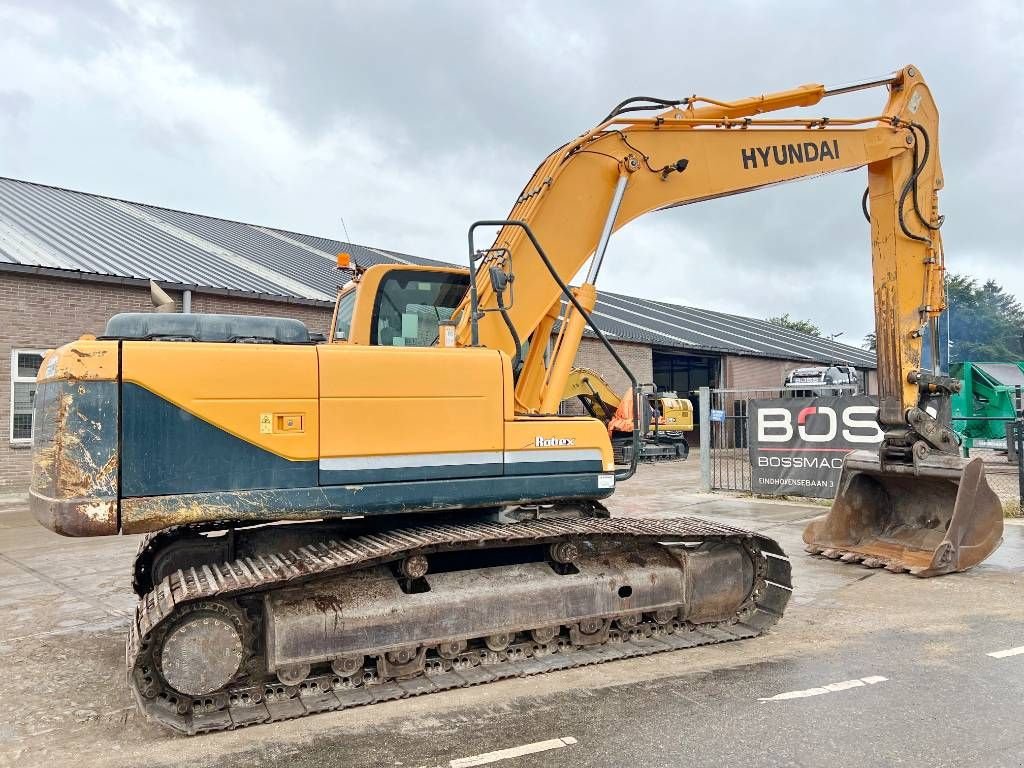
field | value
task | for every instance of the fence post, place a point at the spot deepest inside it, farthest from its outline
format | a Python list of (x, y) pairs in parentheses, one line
[(704, 404), (1018, 438)]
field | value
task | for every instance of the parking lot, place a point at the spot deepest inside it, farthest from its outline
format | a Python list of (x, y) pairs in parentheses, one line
[(867, 667)]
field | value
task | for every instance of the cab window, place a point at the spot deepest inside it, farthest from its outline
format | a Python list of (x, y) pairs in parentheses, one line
[(411, 304), (343, 326)]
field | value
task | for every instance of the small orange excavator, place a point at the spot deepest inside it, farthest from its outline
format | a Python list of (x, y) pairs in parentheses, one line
[(665, 418)]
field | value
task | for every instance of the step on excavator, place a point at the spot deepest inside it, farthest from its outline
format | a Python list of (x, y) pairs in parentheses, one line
[(401, 510), (664, 418)]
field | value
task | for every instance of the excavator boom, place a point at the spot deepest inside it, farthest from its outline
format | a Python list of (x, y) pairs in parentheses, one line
[(628, 166)]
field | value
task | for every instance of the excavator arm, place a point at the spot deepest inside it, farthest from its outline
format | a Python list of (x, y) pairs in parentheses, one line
[(628, 166), (697, 149), (593, 391)]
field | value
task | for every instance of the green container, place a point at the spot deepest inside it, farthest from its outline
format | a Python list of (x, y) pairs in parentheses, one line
[(988, 390)]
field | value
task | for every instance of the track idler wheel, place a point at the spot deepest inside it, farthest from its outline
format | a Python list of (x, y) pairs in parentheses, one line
[(498, 642), (590, 632), (203, 650), (451, 649), (629, 621)]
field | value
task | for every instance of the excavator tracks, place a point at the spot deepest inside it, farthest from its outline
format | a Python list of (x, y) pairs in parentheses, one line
[(222, 605)]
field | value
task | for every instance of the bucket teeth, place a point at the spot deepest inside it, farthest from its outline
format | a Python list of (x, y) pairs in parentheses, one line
[(935, 516)]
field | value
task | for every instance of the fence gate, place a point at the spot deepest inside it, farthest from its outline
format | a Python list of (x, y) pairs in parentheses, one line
[(724, 453)]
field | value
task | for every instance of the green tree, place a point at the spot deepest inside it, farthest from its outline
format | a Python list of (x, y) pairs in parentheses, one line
[(804, 326), (870, 342), (985, 322)]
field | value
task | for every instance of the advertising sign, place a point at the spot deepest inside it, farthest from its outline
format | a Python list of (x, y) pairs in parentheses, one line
[(797, 444)]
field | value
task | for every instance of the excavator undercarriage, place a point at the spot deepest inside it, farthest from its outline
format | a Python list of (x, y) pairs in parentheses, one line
[(303, 622)]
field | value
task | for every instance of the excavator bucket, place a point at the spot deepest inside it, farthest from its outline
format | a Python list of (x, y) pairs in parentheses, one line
[(935, 517)]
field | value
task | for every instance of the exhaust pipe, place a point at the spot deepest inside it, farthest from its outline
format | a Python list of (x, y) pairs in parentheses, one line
[(161, 301), (935, 516)]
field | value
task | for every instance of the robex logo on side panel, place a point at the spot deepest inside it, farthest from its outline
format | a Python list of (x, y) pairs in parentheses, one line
[(553, 442)]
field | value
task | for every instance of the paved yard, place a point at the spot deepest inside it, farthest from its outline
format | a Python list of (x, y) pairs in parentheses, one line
[(916, 683)]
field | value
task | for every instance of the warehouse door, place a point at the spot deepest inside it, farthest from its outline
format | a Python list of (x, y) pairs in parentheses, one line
[(685, 374)]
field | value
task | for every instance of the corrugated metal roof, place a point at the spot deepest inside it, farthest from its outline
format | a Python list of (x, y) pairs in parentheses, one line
[(663, 324), (44, 226), (55, 228)]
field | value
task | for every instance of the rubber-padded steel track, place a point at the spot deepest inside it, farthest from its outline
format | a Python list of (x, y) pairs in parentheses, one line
[(246, 703)]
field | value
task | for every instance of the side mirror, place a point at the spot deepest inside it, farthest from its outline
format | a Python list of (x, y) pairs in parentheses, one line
[(499, 280)]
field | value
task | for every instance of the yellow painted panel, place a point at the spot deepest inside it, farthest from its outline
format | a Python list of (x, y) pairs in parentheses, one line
[(83, 360), (379, 401), (585, 432), (240, 388)]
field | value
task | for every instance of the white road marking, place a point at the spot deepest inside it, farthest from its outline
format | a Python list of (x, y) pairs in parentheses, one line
[(1008, 652), (505, 754), (830, 688)]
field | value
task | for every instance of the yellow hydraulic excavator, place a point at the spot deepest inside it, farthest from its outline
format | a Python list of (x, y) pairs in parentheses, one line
[(664, 417), (402, 509)]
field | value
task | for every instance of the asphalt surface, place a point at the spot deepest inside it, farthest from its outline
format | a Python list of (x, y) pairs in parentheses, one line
[(918, 686)]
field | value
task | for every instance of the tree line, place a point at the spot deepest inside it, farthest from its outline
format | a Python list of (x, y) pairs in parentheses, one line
[(983, 322)]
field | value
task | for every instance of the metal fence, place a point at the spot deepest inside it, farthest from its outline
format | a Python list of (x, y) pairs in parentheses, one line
[(725, 458), (724, 455), (1004, 461)]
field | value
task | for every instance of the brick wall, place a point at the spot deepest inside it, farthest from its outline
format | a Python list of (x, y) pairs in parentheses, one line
[(593, 355), (44, 312), (317, 319), (758, 372), (764, 373)]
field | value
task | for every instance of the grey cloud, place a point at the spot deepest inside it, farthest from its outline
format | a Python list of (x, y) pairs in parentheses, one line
[(14, 105), (467, 97)]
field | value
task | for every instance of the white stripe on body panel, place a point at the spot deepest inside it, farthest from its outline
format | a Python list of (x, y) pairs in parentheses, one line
[(553, 454), (405, 461)]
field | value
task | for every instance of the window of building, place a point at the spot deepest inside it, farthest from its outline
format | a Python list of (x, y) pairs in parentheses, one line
[(24, 367)]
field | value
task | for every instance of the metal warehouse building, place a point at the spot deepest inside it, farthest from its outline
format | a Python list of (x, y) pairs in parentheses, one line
[(69, 260)]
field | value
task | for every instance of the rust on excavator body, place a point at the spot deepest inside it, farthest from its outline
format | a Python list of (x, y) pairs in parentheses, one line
[(75, 457)]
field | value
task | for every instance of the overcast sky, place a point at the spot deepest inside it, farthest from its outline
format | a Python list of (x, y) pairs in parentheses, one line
[(411, 120)]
